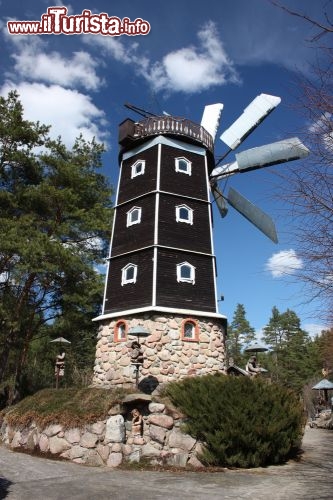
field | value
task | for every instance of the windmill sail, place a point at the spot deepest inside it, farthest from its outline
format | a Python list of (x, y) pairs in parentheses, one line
[(271, 154), (211, 118), (251, 117), (263, 156), (220, 201), (253, 214)]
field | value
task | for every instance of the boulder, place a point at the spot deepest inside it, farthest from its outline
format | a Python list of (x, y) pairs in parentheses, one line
[(97, 428), (148, 450), (182, 441), (43, 443), (32, 440), (115, 429), (93, 459), (58, 445), (88, 440), (16, 441), (161, 420), (75, 452), (157, 433), (73, 436), (103, 451), (156, 407), (52, 430), (179, 460), (114, 459)]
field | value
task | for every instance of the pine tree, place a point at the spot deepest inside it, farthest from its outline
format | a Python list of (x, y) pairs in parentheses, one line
[(55, 217), (240, 334), (292, 359)]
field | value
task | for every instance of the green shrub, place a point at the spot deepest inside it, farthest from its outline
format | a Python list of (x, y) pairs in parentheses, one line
[(243, 422)]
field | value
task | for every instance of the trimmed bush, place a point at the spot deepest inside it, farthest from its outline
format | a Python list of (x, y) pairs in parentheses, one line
[(243, 422)]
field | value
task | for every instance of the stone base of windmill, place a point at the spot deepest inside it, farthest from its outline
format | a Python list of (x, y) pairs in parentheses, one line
[(114, 440), (171, 351)]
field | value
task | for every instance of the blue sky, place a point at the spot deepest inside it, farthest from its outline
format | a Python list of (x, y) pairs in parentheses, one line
[(196, 53)]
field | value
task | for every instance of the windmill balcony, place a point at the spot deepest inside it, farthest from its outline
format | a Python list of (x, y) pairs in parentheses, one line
[(130, 131)]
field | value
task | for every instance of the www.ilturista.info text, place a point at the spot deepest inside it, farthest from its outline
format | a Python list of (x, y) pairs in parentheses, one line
[(56, 22)]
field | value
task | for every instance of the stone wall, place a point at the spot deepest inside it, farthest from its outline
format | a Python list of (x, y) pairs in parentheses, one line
[(167, 355), (111, 442)]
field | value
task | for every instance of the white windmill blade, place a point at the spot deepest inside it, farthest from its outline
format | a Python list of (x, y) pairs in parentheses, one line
[(224, 171), (211, 118), (253, 214), (263, 156), (251, 117), (271, 154)]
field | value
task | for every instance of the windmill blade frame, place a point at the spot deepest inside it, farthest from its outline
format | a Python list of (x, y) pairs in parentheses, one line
[(219, 200)]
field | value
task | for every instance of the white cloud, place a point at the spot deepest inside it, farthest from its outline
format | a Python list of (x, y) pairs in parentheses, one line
[(193, 69), (48, 84), (116, 49), (33, 62), (101, 269), (189, 69), (314, 329), (76, 71), (68, 111), (283, 263)]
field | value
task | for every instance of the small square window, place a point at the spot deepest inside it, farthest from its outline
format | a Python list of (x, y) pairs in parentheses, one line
[(138, 168), (134, 216), (129, 274), (183, 165), (184, 214), (186, 273)]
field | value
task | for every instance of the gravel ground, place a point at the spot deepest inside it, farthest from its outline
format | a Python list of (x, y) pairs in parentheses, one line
[(25, 477)]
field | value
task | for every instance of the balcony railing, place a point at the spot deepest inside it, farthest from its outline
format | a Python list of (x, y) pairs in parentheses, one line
[(175, 126)]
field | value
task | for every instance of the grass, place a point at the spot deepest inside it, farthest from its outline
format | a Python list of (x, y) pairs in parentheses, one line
[(68, 407)]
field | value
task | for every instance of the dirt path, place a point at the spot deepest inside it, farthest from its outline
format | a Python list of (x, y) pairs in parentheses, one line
[(23, 477)]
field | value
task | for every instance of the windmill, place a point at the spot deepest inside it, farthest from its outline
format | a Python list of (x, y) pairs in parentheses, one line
[(161, 267), (250, 159)]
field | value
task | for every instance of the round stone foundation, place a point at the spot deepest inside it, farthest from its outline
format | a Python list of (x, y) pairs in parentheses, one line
[(169, 352)]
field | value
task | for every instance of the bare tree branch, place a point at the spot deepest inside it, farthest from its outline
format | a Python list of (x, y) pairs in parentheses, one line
[(325, 28)]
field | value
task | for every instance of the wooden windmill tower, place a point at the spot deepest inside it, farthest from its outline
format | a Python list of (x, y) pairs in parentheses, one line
[(161, 283)]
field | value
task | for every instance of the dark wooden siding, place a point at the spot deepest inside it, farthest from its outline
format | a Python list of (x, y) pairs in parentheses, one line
[(194, 236), (193, 185), (132, 295), (130, 188), (127, 239), (170, 293)]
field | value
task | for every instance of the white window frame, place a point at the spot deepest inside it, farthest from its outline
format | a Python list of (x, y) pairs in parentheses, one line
[(129, 221), (179, 218), (188, 170), (181, 278), (134, 172), (124, 279)]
